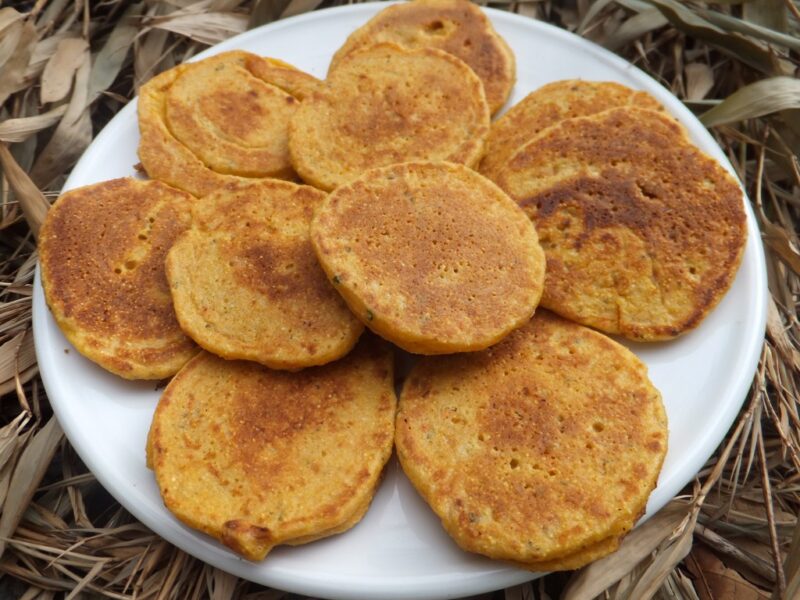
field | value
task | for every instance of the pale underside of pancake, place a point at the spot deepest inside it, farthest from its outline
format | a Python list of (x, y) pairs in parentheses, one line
[(455, 26), (547, 106), (258, 458), (385, 105), (246, 284), (643, 233), (216, 121), (539, 450), (425, 253), (102, 250)]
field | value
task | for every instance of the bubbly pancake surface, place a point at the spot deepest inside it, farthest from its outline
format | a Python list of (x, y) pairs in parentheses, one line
[(455, 26), (539, 448), (101, 251), (246, 284), (643, 233), (385, 105), (547, 106), (431, 256), (256, 457), (208, 123)]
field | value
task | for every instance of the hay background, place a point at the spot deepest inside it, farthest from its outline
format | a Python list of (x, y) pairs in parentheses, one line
[(67, 66)]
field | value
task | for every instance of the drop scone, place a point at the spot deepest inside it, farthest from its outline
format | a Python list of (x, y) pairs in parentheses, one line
[(274, 457), (431, 256), (101, 252), (220, 119), (547, 106), (541, 450), (455, 26), (643, 233), (385, 105), (246, 284)]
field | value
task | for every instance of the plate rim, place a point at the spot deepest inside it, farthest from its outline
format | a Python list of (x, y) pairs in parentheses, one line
[(736, 387)]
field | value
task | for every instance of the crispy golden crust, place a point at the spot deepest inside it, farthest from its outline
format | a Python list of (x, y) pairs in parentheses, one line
[(425, 253), (577, 559), (537, 448), (246, 283), (547, 106), (101, 252), (205, 124), (385, 105), (455, 26), (643, 233), (257, 458)]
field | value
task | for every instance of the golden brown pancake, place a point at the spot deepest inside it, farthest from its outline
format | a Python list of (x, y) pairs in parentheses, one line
[(212, 122), (385, 105), (455, 26), (643, 233), (246, 284), (101, 252), (431, 256), (540, 448), (257, 458), (547, 106)]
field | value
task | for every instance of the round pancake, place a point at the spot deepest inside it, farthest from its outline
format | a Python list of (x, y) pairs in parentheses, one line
[(547, 106), (385, 105), (101, 251), (246, 284), (211, 122), (431, 256), (537, 449), (455, 26), (643, 233), (257, 458)]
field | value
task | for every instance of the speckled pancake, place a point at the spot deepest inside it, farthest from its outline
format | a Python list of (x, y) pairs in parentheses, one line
[(547, 106), (101, 252), (455, 26), (211, 122), (544, 447), (643, 233), (431, 256), (257, 458), (385, 105), (246, 283), (577, 559)]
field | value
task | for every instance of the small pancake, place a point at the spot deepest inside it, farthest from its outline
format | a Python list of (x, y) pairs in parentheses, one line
[(537, 449), (547, 106), (455, 26), (101, 252), (643, 233), (257, 458), (208, 123), (431, 256), (246, 283), (385, 105)]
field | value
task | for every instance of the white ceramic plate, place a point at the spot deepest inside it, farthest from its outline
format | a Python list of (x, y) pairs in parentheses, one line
[(399, 550)]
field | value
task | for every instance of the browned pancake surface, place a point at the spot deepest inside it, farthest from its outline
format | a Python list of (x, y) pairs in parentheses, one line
[(643, 233), (537, 449), (431, 256), (547, 106), (256, 457), (246, 283), (455, 26), (215, 121), (102, 252), (385, 105)]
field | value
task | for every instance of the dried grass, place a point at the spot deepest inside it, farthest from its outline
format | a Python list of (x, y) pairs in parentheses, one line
[(67, 66)]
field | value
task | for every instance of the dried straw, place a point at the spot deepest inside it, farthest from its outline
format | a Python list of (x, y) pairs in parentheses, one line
[(67, 66)]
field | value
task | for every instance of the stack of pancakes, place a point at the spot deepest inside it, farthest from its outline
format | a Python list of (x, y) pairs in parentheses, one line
[(285, 214)]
